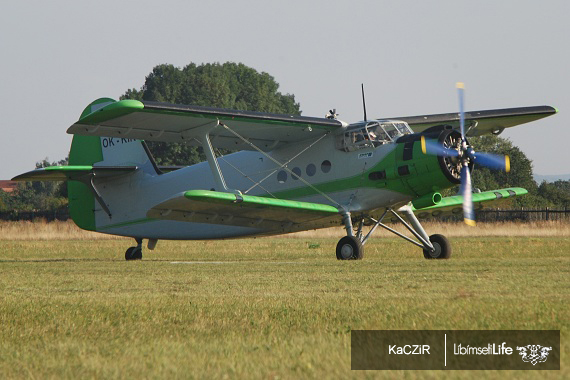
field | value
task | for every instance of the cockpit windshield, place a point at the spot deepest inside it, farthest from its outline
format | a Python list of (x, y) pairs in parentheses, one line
[(372, 134)]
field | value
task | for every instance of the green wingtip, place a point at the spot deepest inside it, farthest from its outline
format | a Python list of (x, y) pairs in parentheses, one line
[(105, 109), (555, 109)]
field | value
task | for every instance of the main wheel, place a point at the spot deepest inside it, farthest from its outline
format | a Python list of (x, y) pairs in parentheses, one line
[(442, 248), (349, 248), (133, 253)]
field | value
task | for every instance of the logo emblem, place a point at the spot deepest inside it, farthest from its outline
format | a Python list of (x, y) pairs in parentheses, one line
[(534, 353), (365, 155)]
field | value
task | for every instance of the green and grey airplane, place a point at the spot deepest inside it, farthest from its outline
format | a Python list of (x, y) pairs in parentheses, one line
[(291, 173)]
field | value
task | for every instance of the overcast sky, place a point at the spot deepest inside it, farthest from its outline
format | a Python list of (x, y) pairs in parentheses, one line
[(58, 56)]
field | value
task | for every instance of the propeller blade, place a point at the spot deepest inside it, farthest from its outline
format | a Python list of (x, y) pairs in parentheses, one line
[(493, 161), (460, 91), (466, 192), (435, 148)]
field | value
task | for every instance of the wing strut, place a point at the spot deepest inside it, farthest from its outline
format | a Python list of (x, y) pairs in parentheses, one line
[(217, 172), (282, 165), (285, 164), (213, 160), (214, 166)]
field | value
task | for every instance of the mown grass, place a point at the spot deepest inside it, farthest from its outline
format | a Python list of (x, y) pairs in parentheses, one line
[(42, 230), (261, 308)]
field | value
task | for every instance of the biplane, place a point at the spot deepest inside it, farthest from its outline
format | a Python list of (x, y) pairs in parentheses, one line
[(290, 173)]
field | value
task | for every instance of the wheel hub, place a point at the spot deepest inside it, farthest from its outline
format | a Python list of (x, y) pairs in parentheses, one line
[(436, 250), (346, 251)]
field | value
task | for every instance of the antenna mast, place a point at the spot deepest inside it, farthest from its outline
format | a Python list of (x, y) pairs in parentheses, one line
[(364, 102)]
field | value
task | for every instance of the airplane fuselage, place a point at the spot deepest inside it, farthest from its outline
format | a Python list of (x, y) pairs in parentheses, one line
[(362, 180)]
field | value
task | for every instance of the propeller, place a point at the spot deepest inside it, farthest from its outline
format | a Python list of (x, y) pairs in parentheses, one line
[(466, 155), (331, 114)]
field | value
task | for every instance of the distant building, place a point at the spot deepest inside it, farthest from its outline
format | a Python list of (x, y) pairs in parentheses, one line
[(8, 186)]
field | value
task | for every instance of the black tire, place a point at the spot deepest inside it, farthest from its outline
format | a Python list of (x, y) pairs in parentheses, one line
[(442, 248), (349, 248), (133, 253)]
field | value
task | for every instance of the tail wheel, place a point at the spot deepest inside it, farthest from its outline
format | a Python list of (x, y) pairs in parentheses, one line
[(349, 248), (133, 253), (442, 248)]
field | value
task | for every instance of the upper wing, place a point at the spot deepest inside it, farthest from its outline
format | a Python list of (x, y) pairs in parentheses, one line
[(77, 173), (481, 122), (269, 214), (453, 205), (155, 121)]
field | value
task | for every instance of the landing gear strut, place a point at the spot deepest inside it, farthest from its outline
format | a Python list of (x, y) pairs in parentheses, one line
[(351, 247)]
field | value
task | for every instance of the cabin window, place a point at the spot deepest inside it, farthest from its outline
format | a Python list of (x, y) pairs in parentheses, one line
[(311, 170), (296, 173), (372, 135), (282, 176), (326, 166)]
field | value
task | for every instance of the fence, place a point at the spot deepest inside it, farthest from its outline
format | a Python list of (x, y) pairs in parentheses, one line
[(485, 215), (49, 216), (526, 215)]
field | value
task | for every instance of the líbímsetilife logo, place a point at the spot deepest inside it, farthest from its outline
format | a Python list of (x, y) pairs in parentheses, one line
[(534, 353), (455, 350)]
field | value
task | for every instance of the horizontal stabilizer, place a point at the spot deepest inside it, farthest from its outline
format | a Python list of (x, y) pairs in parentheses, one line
[(270, 214), (454, 205), (76, 173)]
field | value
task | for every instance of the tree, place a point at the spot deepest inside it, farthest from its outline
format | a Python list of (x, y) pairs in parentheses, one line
[(521, 167), (557, 194), (4, 201), (38, 195), (228, 85), (520, 174)]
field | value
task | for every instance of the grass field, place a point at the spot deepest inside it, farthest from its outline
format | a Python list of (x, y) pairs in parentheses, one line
[(262, 308)]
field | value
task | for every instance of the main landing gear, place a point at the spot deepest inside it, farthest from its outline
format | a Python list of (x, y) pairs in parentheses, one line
[(135, 253), (441, 248), (351, 247)]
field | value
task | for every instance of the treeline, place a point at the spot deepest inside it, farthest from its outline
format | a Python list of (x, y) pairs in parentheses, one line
[(36, 196), (236, 86), (228, 85), (554, 195)]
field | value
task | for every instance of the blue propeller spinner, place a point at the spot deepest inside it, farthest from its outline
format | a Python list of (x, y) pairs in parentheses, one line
[(466, 155)]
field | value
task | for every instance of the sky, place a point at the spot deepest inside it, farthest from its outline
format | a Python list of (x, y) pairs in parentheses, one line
[(58, 56)]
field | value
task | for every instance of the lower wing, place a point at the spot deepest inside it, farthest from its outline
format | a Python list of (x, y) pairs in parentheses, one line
[(269, 214), (453, 205)]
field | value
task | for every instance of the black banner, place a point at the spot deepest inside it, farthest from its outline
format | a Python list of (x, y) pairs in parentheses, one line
[(455, 349)]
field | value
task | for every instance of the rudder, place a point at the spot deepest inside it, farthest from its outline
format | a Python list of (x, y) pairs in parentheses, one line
[(100, 151)]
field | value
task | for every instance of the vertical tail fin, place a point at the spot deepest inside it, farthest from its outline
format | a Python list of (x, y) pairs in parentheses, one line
[(101, 151)]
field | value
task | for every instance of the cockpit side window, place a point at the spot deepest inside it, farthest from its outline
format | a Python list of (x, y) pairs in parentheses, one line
[(371, 135), (403, 128), (377, 134)]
